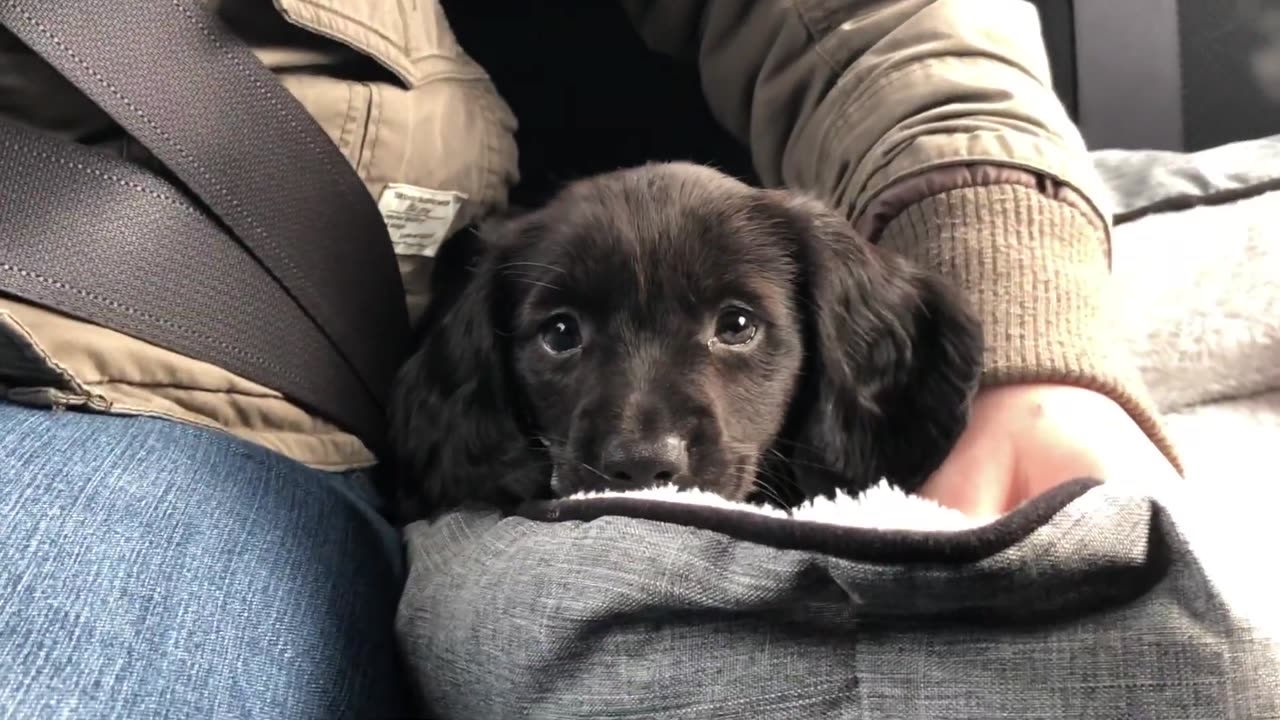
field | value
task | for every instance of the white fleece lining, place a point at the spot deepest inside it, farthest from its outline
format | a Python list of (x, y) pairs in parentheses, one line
[(882, 507)]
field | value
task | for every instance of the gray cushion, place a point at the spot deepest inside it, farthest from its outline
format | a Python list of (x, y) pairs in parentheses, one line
[(1093, 602), (1145, 181), (1196, 257)]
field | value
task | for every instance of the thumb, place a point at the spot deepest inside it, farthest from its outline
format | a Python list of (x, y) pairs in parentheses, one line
[(975, 477)]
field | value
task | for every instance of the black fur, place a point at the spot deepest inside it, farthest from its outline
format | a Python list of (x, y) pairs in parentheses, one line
[(861, 366)]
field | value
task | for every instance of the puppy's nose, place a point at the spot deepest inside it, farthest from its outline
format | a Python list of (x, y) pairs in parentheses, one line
[(640, 461)]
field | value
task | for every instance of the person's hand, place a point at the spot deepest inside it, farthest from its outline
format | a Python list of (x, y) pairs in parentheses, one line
[(1025, 439)]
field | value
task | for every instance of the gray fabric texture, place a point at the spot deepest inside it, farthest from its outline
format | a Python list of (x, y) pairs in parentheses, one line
[(1137, 181), (627, 618)]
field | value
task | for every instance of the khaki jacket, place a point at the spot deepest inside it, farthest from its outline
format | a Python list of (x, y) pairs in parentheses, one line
[(931, 123)]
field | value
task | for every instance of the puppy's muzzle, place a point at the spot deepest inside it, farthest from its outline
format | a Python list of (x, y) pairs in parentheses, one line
[(645, 462)]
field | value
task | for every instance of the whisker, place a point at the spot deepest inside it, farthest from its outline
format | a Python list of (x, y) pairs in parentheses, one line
[(504, 266), (774, 478), (776, 484), (537, 282), (768, 492), (544, 436), (755, 472), (793, 461), (597, 472), (774, 452)]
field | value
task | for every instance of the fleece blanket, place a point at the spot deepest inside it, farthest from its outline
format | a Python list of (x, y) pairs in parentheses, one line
[(1196, 255), (882, 507)]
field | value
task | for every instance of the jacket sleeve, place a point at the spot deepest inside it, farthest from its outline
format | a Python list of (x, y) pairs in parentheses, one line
[(933, 125)]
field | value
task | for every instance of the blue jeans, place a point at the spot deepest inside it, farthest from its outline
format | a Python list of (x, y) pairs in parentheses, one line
[(151, 569)]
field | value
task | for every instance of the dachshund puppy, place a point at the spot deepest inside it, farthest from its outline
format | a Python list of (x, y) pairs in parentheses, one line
[(670, 325)]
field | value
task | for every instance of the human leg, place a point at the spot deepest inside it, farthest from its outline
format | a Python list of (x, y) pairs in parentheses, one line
[(153, 569)]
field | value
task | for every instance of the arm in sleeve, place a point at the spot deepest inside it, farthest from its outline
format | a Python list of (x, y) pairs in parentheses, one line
[(933, 125)]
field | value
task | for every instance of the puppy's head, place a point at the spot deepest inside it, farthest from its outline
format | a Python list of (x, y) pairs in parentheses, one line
[(670, 325)]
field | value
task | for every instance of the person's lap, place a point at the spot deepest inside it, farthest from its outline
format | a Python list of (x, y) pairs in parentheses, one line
[(151, 569)]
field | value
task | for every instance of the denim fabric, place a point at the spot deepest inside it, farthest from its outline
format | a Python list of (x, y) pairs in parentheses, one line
[(151, 569)]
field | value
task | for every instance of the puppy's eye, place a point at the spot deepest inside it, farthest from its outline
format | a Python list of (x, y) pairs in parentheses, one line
[(560, 334), (736, 326)]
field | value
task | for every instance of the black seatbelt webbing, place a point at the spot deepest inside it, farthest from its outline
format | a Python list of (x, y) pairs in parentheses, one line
[(177, 81), (101, 239)]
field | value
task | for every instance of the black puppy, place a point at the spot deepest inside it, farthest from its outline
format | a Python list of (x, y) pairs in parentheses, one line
[(667, 324)]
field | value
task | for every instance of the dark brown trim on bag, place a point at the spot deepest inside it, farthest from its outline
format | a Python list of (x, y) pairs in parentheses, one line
[(849, 543)]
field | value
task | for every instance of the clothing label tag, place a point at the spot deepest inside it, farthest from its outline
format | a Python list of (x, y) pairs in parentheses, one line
[(418, 218)]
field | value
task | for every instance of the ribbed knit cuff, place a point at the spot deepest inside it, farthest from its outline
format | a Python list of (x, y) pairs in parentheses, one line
[(1036, 270)]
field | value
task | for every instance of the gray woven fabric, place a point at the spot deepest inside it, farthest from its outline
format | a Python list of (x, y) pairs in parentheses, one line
[(629, 618)]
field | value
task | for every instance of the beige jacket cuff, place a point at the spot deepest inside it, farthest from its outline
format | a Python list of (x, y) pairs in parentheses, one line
[(1037, 271)]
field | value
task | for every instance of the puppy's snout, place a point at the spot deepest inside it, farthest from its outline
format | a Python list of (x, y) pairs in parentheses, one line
[(643, 461)]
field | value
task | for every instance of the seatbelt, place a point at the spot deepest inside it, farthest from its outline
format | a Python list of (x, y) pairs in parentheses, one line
[(98, 238), (290, 282)]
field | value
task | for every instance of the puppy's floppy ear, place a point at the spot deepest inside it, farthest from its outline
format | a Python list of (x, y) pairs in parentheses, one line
[(894, 356), (455, 417)]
